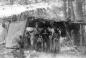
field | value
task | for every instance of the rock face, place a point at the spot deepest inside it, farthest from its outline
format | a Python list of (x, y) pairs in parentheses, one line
[(15, 30), (1, 31)]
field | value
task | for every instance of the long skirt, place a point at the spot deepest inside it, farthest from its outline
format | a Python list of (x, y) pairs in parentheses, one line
[(56, 45)]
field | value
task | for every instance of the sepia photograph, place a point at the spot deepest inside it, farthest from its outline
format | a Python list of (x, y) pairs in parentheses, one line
[(42, 28)]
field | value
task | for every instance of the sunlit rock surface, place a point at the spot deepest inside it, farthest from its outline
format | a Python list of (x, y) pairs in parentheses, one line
[(50, 10)]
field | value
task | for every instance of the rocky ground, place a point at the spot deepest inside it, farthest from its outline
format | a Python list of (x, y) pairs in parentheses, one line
[(12, 53)]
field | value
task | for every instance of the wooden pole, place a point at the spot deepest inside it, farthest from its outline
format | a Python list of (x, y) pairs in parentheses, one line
[(65, 6), (81, 35), (72, 11)]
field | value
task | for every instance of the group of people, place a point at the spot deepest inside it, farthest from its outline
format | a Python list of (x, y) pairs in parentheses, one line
[(43, 35)]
